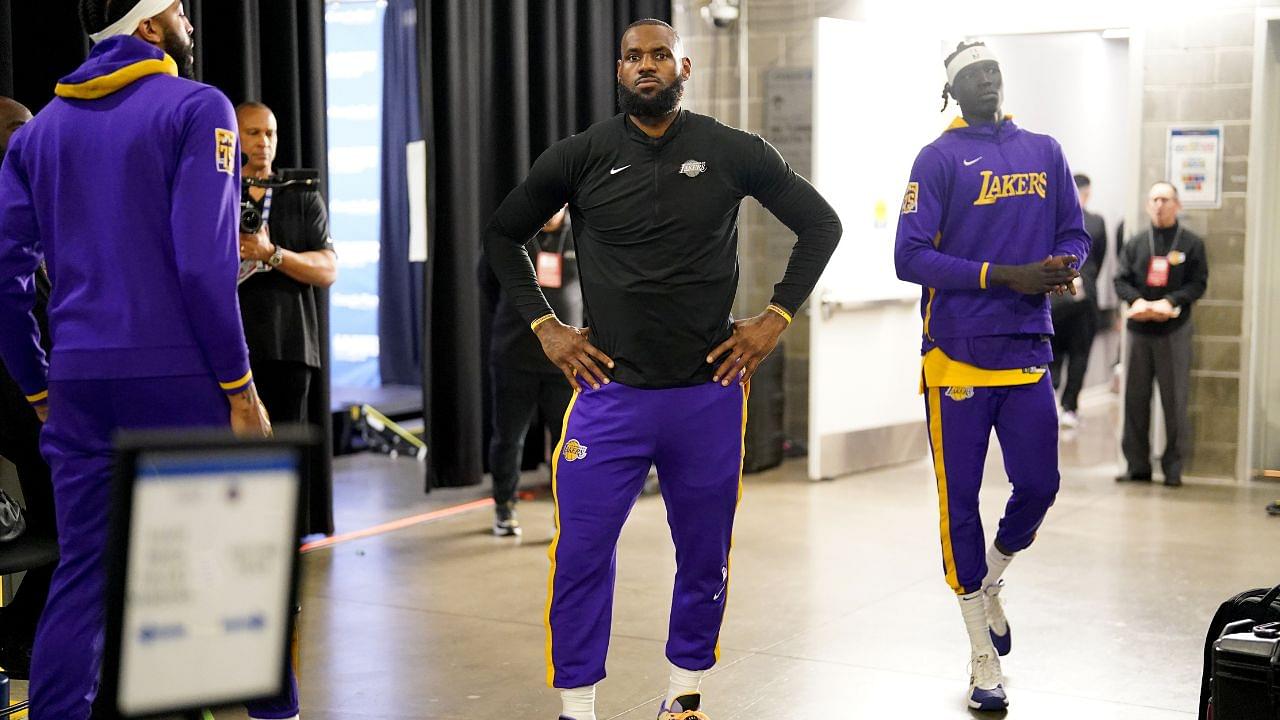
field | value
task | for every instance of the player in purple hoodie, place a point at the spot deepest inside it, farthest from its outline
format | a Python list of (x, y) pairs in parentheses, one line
[(990, 225), (127, 186)]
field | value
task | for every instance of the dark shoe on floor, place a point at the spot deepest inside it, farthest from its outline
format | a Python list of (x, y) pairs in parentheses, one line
[(1173, 481), (1134, 477), (505, 522)]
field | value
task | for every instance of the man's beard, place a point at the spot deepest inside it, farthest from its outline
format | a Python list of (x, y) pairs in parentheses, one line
[(658, 105), (182, 53)]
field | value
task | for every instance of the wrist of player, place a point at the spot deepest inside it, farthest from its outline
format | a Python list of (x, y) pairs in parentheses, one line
[(778, 316)]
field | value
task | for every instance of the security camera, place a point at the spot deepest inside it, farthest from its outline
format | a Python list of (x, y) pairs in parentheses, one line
[(721, 13)]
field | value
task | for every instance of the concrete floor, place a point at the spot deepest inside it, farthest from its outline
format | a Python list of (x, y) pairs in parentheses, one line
[(838, 609)]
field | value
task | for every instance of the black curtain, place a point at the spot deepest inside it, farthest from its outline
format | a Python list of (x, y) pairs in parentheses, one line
[(272, 51), (40, 42), (266, 50), (501, 81)]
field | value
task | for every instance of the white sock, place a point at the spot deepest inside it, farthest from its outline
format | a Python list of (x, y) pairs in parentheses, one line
[(579, 703), (683, 682), (973, 608), (997, 563)]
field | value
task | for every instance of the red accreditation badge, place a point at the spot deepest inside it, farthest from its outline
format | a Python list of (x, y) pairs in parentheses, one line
[(550, 269), (1158, 272)]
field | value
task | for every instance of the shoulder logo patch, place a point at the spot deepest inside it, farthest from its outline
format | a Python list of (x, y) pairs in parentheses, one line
[(693, 168), (909, 200), (224, 142), (574, 450)]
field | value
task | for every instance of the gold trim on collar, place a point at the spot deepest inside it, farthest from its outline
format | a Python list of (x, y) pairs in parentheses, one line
[(106, 84)]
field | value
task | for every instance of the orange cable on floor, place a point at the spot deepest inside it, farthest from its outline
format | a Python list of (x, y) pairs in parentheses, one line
[(394, 525)]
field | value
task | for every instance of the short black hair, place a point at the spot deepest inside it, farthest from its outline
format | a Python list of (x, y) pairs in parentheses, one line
[(1082, 181), (96, 15), (652, 21)]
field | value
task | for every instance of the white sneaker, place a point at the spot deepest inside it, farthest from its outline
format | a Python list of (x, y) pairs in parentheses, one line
[(986, 683), (997, 623), (1069, 420)]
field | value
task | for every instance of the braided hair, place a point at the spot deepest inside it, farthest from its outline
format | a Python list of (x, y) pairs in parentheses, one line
[(946, 87), (96, 15)]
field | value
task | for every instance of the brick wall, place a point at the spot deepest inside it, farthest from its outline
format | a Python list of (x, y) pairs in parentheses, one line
[(1199, 70)]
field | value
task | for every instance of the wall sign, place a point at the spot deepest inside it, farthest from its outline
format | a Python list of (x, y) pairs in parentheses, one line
[(1193, 163)]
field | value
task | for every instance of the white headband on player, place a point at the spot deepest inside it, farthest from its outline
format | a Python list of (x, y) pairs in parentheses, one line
[(128, 24), (967, 57)]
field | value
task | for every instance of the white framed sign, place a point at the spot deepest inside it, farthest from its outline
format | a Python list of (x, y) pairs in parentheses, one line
[(1193, 163)]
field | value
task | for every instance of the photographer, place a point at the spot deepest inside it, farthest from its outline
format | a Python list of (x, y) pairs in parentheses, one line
[(294, 252)]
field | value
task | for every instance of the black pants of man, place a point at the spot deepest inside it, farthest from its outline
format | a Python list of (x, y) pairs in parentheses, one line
[(20, 445), (284, 387), (1167, 360), (1074, 327), (517, 396)]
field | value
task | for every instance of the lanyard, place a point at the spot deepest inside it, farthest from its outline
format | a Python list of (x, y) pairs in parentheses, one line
[(266, 206)]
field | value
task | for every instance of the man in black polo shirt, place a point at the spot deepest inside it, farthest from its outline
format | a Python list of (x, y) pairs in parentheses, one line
[(1163, 272), (278, 305), (660, 373)]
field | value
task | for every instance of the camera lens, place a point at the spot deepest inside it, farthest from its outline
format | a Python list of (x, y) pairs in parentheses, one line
[(250, 219)]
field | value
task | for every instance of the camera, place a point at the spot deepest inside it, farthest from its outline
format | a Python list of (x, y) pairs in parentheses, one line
[(721, 13), (250, 218)]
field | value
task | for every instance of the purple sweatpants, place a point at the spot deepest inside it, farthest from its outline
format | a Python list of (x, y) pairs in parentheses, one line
[(694, 436), (960, 425), (77, 441)]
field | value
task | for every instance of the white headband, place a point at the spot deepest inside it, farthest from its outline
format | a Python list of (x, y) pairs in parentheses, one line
[(129, 23), (967, 57)]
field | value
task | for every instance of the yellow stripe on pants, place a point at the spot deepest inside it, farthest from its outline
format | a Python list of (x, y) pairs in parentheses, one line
[(555, 540), (940, 471)]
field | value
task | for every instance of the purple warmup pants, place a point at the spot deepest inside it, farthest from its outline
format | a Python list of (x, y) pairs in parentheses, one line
[(694, 436), (84, 415), (960, 424)]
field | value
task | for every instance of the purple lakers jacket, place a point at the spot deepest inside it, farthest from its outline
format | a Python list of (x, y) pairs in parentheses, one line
[(127, 185), (982, 196)]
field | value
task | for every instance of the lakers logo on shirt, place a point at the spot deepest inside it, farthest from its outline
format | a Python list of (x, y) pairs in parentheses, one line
[(693, 168), (959, 393), (996, 187), (909, 200), (225, 150), (574, 450)]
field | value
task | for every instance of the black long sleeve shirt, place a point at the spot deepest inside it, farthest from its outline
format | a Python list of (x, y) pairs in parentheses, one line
[(1188, 277), (655, 223)]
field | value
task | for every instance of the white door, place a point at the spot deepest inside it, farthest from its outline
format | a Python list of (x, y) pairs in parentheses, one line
[(877, 95)]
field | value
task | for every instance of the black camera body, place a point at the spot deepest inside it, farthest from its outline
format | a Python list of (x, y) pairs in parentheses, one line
[(250, 217)]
